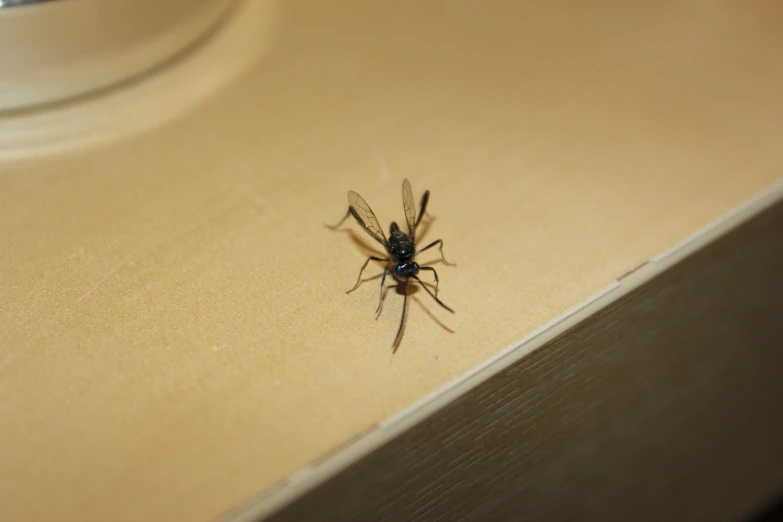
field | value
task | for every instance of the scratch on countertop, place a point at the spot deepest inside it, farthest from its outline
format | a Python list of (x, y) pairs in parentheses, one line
[(106, 277), (385, 177)]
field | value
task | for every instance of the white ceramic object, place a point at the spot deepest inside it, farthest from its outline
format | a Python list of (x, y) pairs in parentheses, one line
[(53, 50)]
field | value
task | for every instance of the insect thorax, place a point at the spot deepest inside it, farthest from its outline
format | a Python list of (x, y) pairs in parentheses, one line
[(401, 248)]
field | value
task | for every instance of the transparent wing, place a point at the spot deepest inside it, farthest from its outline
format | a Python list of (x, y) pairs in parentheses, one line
[(366, 217), (409, 205)]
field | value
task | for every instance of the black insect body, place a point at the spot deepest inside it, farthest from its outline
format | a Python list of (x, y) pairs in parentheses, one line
[(400, 247)]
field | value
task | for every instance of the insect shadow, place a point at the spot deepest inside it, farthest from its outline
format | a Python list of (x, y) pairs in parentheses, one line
[(400, 249)]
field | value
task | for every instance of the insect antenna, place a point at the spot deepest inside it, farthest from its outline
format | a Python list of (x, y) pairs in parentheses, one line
[(433, 295), (397, 339)]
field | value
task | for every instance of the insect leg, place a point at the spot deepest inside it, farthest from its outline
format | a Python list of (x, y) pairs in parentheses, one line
[(334, 227), (423, 206), (380, 300), (433, 295), (440, 243), (402, 319), (434, 273), (359, 279)]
